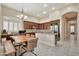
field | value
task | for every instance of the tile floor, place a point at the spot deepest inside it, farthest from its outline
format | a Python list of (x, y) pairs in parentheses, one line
[(67, 48)]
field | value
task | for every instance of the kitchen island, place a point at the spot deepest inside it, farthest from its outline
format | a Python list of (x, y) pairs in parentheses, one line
[(44, 36)]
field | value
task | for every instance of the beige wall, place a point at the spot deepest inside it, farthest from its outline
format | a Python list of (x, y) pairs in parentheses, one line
[(0, 15), (61, 29), (0, 21), (78, 28)]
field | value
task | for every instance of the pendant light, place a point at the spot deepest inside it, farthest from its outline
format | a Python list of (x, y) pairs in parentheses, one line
[(22, 16)]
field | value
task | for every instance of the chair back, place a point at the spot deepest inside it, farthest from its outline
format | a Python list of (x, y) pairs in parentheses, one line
[(31, 44), (9, 48)]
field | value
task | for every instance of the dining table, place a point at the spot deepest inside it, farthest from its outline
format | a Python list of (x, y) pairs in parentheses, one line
[(20, 39)]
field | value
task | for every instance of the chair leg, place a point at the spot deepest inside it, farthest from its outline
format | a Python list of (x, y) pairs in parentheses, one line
[(24, 48), (15, 53), (22, 53), (34, 53)]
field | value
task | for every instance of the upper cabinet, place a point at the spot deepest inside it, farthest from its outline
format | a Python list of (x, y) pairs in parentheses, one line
[(30, 25), (41, 26)]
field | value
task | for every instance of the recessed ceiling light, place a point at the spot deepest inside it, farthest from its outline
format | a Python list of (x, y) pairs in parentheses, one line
[(53, 8), (45, 5), (44, 12)]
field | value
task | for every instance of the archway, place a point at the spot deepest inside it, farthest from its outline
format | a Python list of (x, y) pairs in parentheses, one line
[(70, 25)]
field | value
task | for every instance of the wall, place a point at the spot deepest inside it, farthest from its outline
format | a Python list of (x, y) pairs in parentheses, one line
[(78, 27), (0, 17), (0, 21)]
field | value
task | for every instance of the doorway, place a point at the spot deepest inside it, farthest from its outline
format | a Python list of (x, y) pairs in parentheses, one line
[(70, 25), (72, 30)]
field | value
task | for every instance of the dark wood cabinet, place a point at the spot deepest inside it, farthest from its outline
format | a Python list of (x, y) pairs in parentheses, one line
[(32, 25)]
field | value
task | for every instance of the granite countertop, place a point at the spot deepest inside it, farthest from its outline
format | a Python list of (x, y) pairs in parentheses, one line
[(39, 31), (32, 31)]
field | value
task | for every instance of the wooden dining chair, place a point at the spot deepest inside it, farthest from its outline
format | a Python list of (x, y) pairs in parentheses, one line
[(31, 45), (9, 48)]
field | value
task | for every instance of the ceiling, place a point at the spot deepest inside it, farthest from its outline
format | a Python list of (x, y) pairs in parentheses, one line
[(38, 10)]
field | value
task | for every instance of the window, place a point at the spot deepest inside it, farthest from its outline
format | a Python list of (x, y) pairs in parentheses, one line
[(72, 29), (56, 28), (10, 26), (5, 25), (20, 26), (15, 27)]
